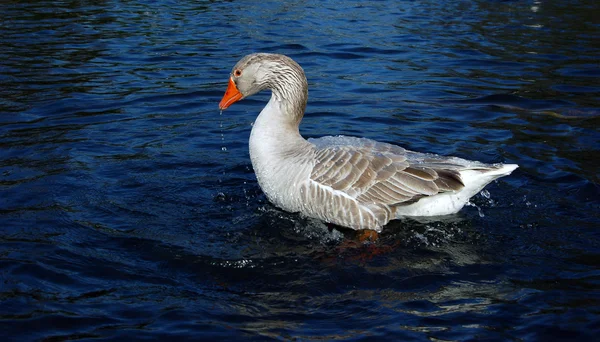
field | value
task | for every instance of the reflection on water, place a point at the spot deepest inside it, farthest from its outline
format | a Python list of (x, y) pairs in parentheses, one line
[(129, 208)]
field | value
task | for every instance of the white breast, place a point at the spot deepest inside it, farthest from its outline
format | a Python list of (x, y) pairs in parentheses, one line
[(281, 158)]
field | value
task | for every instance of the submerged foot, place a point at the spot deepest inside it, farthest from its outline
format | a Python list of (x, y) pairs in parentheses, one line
[(367, 235)]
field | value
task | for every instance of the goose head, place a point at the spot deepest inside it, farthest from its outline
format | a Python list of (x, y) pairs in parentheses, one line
[(259, 71)]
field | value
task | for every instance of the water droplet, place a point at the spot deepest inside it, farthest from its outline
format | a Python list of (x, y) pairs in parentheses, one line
[(471, 204), (485, 193), (220, 197)]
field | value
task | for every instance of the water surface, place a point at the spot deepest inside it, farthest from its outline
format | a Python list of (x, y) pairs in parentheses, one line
[(129, 208)]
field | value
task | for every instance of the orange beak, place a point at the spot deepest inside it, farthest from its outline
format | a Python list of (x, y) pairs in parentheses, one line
[(232, 95)]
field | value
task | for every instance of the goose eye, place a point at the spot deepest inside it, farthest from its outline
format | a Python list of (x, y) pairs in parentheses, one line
[(237, 73)]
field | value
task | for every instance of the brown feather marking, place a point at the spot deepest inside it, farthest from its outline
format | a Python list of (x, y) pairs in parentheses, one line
[(362, 164), (373, 195), (323, 157), (420, 173), (412, 183), (394, 194), (450, 180), (330, 170), (342, 178), (366, 178), (384, 192), (382, 213), (400, 188), (355, 158), (379, 162)]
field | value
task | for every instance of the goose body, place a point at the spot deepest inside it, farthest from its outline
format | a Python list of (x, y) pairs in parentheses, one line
[(352, 182)]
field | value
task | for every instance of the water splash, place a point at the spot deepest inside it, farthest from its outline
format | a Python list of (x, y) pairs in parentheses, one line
[(485, 193), (243, 263), (528, 203), (479, 210)]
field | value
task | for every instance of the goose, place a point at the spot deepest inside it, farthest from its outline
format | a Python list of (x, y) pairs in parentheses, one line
[(351, 182)]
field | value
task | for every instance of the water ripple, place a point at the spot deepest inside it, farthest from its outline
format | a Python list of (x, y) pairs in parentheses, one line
[(129, 208)]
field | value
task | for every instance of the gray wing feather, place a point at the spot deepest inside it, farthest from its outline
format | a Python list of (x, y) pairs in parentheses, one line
[(374, 172)]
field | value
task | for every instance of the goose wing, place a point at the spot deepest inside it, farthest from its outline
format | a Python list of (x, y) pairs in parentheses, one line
[(377, 173)]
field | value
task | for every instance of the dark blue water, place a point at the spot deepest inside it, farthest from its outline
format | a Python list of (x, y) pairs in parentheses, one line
[(129, 208)]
